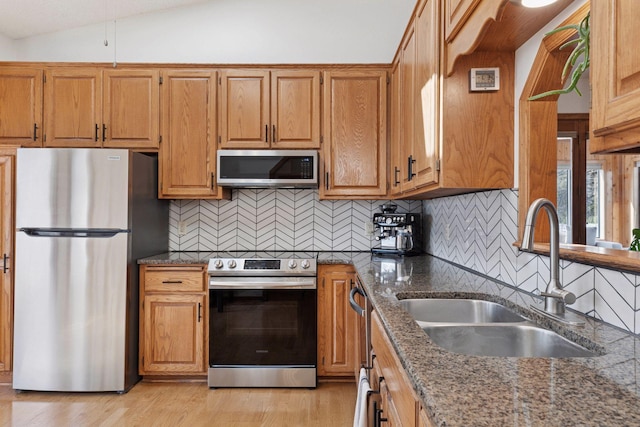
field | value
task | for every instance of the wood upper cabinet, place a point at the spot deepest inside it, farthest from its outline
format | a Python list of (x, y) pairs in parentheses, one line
[(73, 107), (188, 150), (7, 230), (407, 117), (173, 325), (426, 96), (418, 117), (269, 109), (131, 116), (395, 142), (337, 322), (21, 106), (615, 76), (295, 109), (452, 140), (90, 107), (354, 151)]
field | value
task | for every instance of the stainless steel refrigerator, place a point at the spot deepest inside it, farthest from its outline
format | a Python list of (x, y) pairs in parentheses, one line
[(83, 218)]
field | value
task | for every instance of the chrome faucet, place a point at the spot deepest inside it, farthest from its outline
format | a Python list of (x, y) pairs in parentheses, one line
[(555, 298)]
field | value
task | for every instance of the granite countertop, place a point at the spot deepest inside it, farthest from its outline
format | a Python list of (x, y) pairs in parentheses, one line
[(462, 390)]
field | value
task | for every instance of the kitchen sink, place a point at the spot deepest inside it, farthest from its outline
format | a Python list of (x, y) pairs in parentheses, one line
[(485, 328), (443, 310), (507, 340)]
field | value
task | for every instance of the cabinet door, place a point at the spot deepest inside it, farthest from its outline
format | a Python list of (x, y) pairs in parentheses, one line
[(407, 105), (21, 106), (615, 69), (455, 15), (6, 251), (244, 109), (188, 150), (425, 139), (337, 323), (401, 395), (295, 109), (398, 167), (131, 109), (173, 334), (355, 134), (73, 107)]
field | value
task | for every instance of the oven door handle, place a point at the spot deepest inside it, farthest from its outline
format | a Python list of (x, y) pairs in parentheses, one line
[(352, 300), (264, 283)]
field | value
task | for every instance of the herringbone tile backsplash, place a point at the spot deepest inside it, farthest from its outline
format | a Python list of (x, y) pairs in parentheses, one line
[(478, 230), (274, 220)]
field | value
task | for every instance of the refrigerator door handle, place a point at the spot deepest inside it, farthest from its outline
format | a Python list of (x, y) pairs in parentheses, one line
[(63, 232)]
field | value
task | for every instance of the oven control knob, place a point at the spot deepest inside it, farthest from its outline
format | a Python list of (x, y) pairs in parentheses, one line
[(305, 264), (389, 220), (218, 264), (231, 264), (293, 264)]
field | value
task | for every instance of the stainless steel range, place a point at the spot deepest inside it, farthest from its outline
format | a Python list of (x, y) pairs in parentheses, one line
[(262, 323)]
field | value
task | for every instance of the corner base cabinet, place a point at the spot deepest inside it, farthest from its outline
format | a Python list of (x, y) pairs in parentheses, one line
[(173, 324), (397, 401)]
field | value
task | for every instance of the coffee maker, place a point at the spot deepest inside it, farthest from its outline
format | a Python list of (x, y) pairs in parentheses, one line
[(398, 233)]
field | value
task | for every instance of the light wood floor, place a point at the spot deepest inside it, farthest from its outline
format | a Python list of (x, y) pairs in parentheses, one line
[(182, 404)]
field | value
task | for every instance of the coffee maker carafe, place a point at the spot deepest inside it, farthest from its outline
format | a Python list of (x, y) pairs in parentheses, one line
[(398, 233)]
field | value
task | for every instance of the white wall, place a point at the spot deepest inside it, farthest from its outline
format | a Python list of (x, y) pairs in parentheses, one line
[(525, 56), (237, 31), (7, 49)]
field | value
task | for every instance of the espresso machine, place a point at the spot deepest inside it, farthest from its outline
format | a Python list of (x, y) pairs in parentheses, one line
[(399, 234)]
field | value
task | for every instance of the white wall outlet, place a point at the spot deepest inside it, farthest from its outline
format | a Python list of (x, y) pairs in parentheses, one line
[(182, 228), (368, 228)]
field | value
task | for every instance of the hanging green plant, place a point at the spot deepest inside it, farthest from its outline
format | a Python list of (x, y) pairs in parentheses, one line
[(578, 59), (635, 243)]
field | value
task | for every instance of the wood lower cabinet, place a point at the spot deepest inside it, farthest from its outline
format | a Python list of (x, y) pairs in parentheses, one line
[(269, 109), (354, 153), (399, 402), (338, 324), (7, 178), (21, 106), (173, 320), (188, 150)]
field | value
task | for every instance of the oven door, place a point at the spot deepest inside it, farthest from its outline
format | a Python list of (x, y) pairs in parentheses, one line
[(262, 337)]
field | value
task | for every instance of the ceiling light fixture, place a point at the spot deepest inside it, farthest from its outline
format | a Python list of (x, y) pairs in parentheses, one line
[(533, 3)]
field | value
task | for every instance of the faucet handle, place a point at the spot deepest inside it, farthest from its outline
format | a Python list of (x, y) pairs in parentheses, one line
[(561, 294)]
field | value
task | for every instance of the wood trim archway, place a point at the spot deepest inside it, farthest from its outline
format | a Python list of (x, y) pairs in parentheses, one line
[(539, 127)]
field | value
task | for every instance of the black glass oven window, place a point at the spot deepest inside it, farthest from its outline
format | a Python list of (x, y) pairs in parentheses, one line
[(263, 327), (267, 167), (262, 264)]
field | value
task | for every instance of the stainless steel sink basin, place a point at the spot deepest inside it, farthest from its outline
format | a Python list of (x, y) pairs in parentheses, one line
[(439, 310), (507, 340)]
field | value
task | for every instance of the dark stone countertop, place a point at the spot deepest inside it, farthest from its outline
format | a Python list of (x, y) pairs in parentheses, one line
[(462, 390)]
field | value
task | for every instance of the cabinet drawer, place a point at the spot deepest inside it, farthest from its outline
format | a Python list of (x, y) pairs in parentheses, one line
[(177, 279)]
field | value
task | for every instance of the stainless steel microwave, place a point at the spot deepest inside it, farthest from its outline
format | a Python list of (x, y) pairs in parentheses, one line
[(268, 168)]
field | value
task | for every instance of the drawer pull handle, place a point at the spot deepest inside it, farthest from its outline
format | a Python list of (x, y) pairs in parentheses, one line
[(172, 282)]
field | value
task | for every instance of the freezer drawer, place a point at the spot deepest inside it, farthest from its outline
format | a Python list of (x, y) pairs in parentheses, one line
[(70, 313)]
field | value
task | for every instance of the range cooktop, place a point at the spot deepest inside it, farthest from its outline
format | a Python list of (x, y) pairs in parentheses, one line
[(263, 263)]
